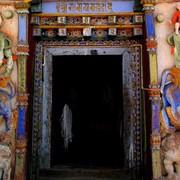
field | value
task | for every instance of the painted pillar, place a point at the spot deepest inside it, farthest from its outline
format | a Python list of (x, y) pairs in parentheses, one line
[(22, 96), (154, 91)]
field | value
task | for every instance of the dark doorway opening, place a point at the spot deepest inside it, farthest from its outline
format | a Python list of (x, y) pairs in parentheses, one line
[(92, 87)]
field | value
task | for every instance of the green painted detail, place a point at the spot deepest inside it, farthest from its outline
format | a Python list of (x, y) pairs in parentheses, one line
[(177, 50), (36, 6), (174, 40), (170, 39), (137, 6)]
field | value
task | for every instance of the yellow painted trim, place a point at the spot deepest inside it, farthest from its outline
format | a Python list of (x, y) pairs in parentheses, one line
[(103, 14), (156, 164), (93, 27), (148, 5), (22, 63), (153, 69)]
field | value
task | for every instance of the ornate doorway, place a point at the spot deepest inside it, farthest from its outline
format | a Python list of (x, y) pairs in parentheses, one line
[(129, 58)]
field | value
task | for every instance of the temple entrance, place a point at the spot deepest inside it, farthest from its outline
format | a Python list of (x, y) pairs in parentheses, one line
[(101, 87), (91, 86)]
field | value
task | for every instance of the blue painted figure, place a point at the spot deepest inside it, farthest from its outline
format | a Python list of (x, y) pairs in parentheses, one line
[(170, 113), (5, 105)]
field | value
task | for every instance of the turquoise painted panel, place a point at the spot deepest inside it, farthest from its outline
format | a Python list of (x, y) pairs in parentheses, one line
[(150, 25), (87, 7), (22, 29)]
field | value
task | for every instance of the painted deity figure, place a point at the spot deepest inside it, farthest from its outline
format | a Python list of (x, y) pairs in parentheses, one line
[(170, 124), (7, 118), (176, 20), (170, 111)]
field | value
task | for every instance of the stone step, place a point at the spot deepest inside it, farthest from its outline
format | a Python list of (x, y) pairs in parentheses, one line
[(87, 174)]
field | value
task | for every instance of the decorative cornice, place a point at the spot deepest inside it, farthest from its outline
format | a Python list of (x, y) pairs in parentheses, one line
[(22, 5), (111, 25), (148, 1), (117, 43), (148, 7)]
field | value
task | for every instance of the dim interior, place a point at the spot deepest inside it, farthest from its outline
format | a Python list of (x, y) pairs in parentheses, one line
[(91, 86)]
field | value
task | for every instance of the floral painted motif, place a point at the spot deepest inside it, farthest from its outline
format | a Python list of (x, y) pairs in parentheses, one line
[(99, 20), (99, 33), (73, 20), (49, 21), (75, 33), (124, 20), (124, 33)]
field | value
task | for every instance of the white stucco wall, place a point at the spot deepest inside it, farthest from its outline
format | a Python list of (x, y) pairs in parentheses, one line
[(162, 30)]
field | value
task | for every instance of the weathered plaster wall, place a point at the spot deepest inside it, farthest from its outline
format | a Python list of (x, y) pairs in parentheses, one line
[(162, 30)]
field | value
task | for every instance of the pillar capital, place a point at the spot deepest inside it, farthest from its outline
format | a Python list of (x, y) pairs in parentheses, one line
[(154, 92), (22, 6), (148, 7)]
